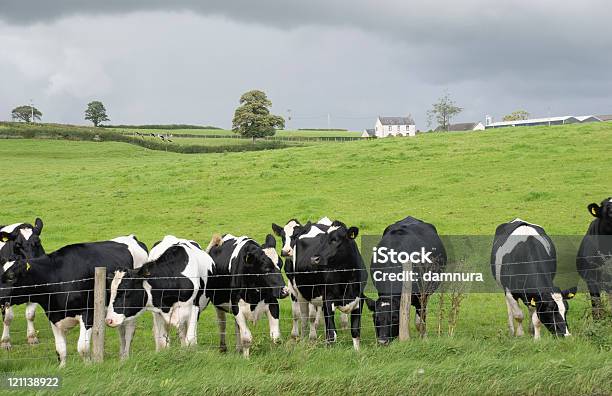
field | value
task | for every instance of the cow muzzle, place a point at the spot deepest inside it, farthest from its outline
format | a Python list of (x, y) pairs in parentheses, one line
[(315, 260), (114, 320)]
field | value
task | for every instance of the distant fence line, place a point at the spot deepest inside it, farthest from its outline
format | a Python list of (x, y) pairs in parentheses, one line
[(271, 138)]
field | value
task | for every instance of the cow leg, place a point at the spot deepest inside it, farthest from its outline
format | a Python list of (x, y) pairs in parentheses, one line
[(536, 325), (60, 344), (83, 344), (5, 341), (596, 304), (532, 311), (30, 314), (344, 321), (295, 313), (192, 327), (513, 310), (222, 323), (313, 320), (126, 333), (330, 325), (245, 334), (304, 315), (273, 313), (238, 340), (161, 332), (356, 325)]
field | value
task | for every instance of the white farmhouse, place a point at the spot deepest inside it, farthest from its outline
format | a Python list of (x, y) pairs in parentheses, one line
[(392, 126)]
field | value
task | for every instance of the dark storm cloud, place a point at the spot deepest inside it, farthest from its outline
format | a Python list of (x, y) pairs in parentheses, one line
[(543, 55)]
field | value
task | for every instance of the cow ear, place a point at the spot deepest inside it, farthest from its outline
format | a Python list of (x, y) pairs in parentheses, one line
[(353, 232), (278, 230), (38, 226), (370, 303), (4, 236), (532, 302), (270, 242), (595, 210), (569, 293)]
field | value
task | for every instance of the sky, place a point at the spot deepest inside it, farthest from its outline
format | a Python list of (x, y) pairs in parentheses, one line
[(336, 62)]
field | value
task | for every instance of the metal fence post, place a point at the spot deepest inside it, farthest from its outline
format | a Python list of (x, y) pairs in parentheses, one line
[(405, 303), (99, 314)]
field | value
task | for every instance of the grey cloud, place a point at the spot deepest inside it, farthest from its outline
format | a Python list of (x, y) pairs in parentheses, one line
[(503, 54)]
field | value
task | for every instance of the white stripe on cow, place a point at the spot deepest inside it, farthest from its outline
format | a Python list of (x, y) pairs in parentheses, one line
[(238, 245)]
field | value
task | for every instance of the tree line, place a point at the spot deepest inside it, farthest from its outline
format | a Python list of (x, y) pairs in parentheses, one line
[(252, 118)]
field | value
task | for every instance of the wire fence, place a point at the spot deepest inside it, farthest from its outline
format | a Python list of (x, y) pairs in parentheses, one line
[(448, 311)]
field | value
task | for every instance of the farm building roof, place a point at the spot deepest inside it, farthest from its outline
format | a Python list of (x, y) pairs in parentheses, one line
[(533, 121), (605, 117), (396, 120)]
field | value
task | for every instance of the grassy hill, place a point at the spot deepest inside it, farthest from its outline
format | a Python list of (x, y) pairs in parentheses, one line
[(464, 183)]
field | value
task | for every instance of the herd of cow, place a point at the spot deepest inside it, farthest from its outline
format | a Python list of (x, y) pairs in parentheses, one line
[(324, 269)]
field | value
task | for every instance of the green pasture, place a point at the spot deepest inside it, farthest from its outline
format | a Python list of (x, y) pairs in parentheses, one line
[(464, 183)]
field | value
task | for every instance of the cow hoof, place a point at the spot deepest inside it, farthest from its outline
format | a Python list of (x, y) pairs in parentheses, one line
[(222, 348), (276, 341), (5, 345), (312, 337), (32, 340)]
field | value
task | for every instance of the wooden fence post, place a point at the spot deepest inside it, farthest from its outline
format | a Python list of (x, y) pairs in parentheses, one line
[(99, 314), (405, 303)]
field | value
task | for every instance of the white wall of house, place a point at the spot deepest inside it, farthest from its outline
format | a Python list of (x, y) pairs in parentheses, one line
[(381, 130)]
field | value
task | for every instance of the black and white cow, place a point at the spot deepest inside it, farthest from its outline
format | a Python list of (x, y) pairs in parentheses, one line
[(524, 263), (247, 282), (594, 259), (171, 285), (407, 236), (19, 241), (329, 272), (62, 284)]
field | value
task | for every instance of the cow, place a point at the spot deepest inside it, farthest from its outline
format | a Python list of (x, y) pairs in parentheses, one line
[(289, 234), (329, 273), (524, 264), (62, 284), (247, 282), (19, 241), (171, 284), (405, 236), (594, 259)]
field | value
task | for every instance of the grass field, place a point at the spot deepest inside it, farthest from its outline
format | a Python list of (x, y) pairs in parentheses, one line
[(464, 183)]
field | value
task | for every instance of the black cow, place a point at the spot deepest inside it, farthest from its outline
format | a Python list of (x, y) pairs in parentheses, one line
[(594, 259), (289, 234), (247, 282), (171, 285), (62, 284), (406, 237), (17, 241), (329, 272), (524, 263)]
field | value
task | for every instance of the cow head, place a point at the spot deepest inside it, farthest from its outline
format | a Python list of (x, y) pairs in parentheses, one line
[(338, 239), (385, 314), (128, 296), (287, 235), (603, 211), (258, 271), (269, 248), (21, 241), (552, 308)]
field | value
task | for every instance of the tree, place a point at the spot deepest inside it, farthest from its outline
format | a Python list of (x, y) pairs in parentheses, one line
[(96, 112), (443, 111), (253, 119), (25, 113), (517, 116)]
